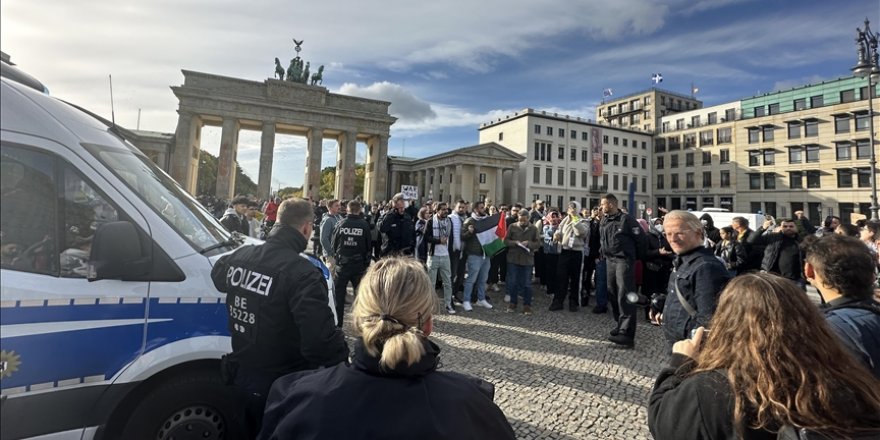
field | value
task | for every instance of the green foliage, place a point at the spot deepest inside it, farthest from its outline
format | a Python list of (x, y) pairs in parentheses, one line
[(328, 181), (207, 182)]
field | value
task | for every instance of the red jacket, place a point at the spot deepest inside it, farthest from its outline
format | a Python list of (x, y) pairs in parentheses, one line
[(271, 211)]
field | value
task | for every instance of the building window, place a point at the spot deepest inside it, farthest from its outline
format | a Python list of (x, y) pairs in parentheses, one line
[(605, 182), (813, 181), (769, 180), (574, 134), (724, 156), (625, 160), (625, 186), (659, 161), (690, 140), (753, 136), (841, 124), (536, 175), (500, 136), (689, 159), (537, 150), (817, 101), (794, 130), (847, 95), (707, 158), (548, 176), (616, 140), (796, 180), (561, 132), (537, 128), (560, 178), (812, 153), (844, 178), (605, 139), (583, 135), (862, 122), (572, 178), (729, 114), (769, 157), (616, 159), (863, 149), (673, 181), (811, 128), (616, 180), (759, 111), (625, 142), (864, 178), (673, 161), (644, 163), (659, 145), (795, 154), (754, 158), (754, 181), (712, 118), (659, 181), (724, 180), (561, 154), (708, 202), (536, 197), (679, 124), (707, 179), (574, 154), (549, 131), (674, 143), (584, 155), (706, 138), (605, 159), (773, 109), (724, 135), (482, 177), (768, 133), (695, 121), (843, 151), (800, 104), (584, 179)]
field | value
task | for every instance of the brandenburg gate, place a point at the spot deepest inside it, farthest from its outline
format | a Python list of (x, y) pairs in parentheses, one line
[(275, 107)]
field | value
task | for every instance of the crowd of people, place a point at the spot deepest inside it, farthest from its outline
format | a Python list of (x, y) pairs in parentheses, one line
[(405, 261)]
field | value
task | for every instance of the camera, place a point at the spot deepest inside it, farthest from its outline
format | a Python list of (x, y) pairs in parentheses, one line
[(656, 302)]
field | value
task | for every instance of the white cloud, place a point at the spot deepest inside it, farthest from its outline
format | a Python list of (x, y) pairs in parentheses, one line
[(404, 104)]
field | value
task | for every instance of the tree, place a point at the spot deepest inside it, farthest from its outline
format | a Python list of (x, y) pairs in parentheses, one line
[(328, 181), (207, 182)]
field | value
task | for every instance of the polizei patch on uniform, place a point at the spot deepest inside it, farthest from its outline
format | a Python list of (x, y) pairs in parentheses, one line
[(249, 280)]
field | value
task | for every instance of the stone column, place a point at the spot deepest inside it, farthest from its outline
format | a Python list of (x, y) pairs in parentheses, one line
[(226, 161), (395, 183), (447, 184), (477, 184), (347, 144), (457, 180), (370, 170), (267, 150), (499, 187), (185, 157), (380, 180), (312, 183), (514, 188)]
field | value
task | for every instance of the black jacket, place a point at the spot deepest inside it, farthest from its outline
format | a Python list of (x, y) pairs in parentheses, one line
[(774, 242), (444, 232), (400, 230), (351, 240), (712, 233), (733, 253), (700, 277), (699, 406), (620, 236), (278, 305), (235, 223), (364, 401), (754, 252), (594, 241)]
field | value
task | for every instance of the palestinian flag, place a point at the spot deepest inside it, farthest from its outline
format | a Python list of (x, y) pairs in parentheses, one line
[(491, 232)]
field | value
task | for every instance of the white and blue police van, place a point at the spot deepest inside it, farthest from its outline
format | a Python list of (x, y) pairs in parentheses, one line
[(110, 326)]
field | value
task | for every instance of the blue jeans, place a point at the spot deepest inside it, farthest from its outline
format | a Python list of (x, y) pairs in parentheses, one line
[(519, 279), (601, 285), (478, 273)]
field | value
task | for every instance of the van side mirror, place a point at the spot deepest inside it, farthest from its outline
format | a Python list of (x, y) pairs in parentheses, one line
[(116, 253)]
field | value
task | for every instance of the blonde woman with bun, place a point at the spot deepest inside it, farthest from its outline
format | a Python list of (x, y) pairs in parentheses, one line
[(391, 389)]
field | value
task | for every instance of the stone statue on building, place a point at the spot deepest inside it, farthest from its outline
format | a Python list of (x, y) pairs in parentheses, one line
[(318, 77), (279, 71), (296, 72), (305, 75)]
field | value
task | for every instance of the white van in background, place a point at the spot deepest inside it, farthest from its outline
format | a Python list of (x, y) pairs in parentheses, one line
[(110, 326)]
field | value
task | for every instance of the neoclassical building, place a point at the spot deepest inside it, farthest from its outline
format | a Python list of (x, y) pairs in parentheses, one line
[(481, 172)]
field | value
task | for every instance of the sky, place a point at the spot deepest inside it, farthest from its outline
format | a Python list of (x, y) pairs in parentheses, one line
[(446, 67)]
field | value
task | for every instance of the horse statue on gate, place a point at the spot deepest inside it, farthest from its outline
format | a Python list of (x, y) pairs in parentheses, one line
[(318, 77), (279, 71)]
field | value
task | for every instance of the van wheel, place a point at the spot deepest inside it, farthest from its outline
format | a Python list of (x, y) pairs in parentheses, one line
[(194, 406)]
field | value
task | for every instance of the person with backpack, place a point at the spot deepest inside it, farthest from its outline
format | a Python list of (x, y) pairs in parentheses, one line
[(842, 270), (771, 366)]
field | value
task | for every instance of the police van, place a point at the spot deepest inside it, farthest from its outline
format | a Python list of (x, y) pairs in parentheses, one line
[(110, 326)]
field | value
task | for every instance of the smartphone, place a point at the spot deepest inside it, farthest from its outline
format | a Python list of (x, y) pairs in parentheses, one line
[(694, 333)]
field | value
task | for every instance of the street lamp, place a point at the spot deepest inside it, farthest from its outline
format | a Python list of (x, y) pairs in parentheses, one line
[(868, 67)]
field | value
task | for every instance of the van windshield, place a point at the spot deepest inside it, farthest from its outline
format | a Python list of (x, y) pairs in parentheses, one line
[(179, 209)]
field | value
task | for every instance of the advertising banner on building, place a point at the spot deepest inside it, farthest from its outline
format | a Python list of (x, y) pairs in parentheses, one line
[(596, 151)]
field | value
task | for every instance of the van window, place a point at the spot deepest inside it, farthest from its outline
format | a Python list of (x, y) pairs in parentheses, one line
[(27, 222), (83, 210), (163, 195)]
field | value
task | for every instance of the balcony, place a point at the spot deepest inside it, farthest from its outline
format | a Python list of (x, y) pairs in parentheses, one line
[(598, 189)]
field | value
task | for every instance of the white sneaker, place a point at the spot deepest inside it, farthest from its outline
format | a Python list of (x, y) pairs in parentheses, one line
[(467, 306), (507, 298), (495, 288), (450, 309), (484, 303)]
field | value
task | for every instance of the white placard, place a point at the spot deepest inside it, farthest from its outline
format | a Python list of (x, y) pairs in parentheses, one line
[(410, 192)]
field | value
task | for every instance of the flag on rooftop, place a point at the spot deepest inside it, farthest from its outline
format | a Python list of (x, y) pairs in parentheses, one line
[(607, 92), (694, 90), (657, 78)]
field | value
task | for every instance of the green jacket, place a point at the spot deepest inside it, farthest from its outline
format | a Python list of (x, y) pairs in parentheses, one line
[(515, 253)]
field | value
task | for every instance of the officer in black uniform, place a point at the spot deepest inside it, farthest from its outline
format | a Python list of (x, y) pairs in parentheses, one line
[(279, 314), (621, 241), (400, 227), (351, 249)]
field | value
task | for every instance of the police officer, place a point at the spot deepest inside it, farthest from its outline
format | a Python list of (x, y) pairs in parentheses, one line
[(622, 240), (400, 227), (351, 250), (279, 318)]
